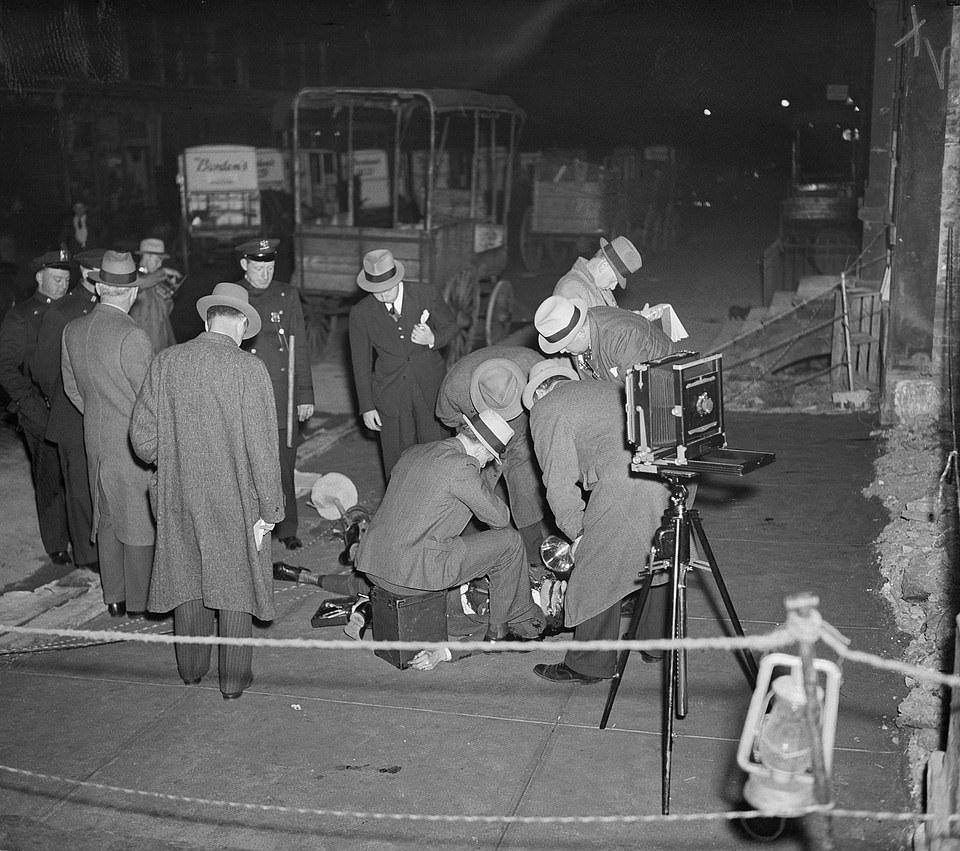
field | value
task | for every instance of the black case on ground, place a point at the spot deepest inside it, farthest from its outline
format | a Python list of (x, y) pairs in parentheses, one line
[(419, 618)]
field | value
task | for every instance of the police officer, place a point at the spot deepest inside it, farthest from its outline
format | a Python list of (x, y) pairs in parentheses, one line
[(18, 340), (282, 319), (65, 424)]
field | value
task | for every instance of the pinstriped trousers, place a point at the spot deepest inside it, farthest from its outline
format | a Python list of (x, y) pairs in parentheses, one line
[(235, 664)]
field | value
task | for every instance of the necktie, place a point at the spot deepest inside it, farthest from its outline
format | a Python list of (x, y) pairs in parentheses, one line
[(392, 311)]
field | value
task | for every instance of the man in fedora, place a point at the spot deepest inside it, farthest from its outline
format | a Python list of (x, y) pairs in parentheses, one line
[(395, 336), (65, 424), (578, 430), (415, 541), (594, 280), (18, 342), (205, 417), (105, 356), (282, 328), (152, 308), (493, 378), (603, 341)]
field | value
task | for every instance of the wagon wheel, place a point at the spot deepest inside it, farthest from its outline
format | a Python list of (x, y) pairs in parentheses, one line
[(461, 295), (499, 312), (531, 245)]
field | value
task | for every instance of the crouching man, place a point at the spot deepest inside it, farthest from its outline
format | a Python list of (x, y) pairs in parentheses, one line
[(414, 543)]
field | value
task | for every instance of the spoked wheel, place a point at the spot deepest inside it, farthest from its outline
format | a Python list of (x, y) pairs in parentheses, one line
[(499, 312), (464, 300), (531, 245)]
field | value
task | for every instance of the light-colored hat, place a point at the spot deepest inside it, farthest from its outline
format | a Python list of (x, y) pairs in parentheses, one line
[(333, 495), (152, 246), (623, 257), (117, 269), (491, 430), (497, 385), (558, 319), (540, 372), (235, 296), (380, 271)]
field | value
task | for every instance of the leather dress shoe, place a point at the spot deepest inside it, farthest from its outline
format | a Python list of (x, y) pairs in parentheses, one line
[(60, 557), (562, 673), (234, 695), (117, 610), (194, 682), (650, 658), (291, 542)]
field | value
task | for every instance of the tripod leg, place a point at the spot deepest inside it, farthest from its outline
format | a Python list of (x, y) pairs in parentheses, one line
[(748, 657), (630, 635), (672, 667), (681, 705)]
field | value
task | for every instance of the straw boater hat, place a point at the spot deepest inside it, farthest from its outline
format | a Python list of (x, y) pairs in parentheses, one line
[(235, 296), (540, 372), (117, 269), (623, 257), (491, 430), (380, 271), (558, 319), (152, 246), (497, 385)]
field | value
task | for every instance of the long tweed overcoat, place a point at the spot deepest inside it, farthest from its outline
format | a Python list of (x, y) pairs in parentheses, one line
[(206, 417), (105, 355), (579, 435)]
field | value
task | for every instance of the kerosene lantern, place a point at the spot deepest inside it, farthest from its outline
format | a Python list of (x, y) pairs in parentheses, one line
[(776, 747)]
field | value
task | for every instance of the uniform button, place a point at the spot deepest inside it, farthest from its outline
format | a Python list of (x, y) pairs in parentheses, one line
[(283, 369), (253, 351)]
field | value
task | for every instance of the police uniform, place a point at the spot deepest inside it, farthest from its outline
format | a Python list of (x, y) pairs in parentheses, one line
[(282, 318), (18, 341), (65, 423)]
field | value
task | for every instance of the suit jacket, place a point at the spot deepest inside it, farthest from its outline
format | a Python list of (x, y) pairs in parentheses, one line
[(414, 538), (65, 424), (205, 417), (619, 339), (519, 468), (389, 371), (579, 434), (579, 283), (18, 340), (104, 360), (282, 318)]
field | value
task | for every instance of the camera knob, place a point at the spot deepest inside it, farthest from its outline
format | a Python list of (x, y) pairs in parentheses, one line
[(704, 404)]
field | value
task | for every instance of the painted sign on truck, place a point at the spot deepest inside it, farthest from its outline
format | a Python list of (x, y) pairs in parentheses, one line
[(220, 168)]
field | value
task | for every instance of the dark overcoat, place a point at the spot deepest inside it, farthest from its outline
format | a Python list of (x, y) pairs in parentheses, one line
[(519, 467), (619, 339), (18, 342), (104, 359), (205, 416), (579, 433)]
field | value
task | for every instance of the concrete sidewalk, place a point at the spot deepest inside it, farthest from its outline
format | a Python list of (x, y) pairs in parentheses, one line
[(346, 731)]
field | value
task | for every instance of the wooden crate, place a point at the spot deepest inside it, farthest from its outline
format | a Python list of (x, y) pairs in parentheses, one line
[(864, 312), (570, 198)]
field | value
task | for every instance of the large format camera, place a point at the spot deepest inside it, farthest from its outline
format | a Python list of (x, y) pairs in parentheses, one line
[(675, 418)]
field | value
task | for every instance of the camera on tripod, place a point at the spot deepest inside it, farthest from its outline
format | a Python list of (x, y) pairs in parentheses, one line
[(675, 418)]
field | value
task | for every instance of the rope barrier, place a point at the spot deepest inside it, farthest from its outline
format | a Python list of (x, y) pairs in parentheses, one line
[(796, 630), (634, 818)]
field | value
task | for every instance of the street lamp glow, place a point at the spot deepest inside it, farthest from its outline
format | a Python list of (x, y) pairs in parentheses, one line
[(708, 112), (784, 102)]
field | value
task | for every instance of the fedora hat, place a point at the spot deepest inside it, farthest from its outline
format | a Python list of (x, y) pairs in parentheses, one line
[(380, 271), (118, 269), (152, 246), (491, 430), (332, 495), (235, 296), (540, 372), (497, 385), (623, 257), (557, 320)]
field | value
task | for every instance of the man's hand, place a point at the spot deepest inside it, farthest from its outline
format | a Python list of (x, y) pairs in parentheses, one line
[(304, 412), (371, 419), (427, 660), (422, 335)]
